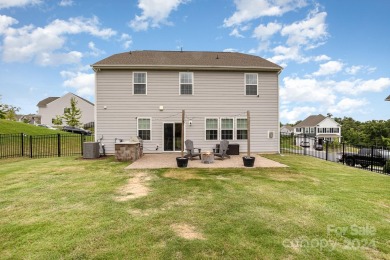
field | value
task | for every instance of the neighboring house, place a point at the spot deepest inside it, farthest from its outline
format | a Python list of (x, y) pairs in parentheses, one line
[(286, 130), (388, 98), (319, 126), (50, 107), (30, 118), (143, 93)]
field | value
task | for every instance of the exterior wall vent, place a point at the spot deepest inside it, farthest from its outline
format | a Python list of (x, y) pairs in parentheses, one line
[(271, 134)]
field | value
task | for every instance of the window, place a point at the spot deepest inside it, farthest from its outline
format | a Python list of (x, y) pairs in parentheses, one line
[(298, 129), (211, 128), (242, 131), (251, 84), (139, 83), (227, 128), (312, 130), (186, 82), (144, 128)]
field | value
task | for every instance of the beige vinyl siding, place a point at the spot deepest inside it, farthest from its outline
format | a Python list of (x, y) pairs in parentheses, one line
[(217, 95)]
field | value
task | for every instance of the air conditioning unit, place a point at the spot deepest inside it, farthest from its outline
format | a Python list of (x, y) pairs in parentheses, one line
[(90, 150)]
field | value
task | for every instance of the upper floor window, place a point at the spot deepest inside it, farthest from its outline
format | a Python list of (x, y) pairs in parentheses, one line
[(139, 83), (298, 129), (144, 128), (251, 84), (186, 83)]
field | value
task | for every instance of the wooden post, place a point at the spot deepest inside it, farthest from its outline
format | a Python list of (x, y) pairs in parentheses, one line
[(182, 133), (248, 127)]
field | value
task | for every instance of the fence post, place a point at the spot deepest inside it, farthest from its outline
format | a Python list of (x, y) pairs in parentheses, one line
[(22, 144), (326, 150), (59, 145), (31, 147), (372, 157), (304, 144), (81, 143), (343, 153)]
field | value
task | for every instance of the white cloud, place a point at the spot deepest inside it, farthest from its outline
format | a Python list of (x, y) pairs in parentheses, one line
[(359, 86), (321, 58), (296, 113), (66, 3), (331, 67), (264, 32), (83, 83), (307, 91), (248, 10), (18, 3), (6, 22), (44, 44), (94, 50), (230, 50), (348, 105), (308, 32), (236, 33), (126, 40), (154, 13), (353, 70)]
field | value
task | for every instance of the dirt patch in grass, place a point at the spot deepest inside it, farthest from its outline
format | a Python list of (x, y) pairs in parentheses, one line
[(182, 175), (135, 188), (187, 231)]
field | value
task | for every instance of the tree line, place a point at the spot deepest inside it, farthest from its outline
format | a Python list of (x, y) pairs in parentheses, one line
[(373, 132)]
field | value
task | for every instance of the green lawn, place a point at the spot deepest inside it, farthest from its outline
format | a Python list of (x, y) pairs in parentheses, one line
[(12, 127), (69, 208)]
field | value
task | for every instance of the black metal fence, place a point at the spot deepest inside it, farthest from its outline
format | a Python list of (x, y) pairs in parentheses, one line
[(37, 146), (371, 158)]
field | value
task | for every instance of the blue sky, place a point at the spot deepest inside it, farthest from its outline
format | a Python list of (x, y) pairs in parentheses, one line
[(335, 53)]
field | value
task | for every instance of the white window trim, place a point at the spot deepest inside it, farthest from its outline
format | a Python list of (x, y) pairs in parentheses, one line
[(220, 127), (257, 84), (236, 125), (146, 82), (143, 117), (218, 131), (193, 83)]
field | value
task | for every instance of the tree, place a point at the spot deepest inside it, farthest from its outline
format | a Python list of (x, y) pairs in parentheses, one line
[(72, 114), (58, 120), (11, 113), (8, 111)]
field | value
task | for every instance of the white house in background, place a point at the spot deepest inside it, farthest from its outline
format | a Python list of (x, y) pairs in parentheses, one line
[(319, 126), (143, 93), (286, 130), (50, 107)]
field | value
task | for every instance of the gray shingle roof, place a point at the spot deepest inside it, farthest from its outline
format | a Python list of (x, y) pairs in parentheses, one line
[(191, 59), (46, 101), (311, 121)]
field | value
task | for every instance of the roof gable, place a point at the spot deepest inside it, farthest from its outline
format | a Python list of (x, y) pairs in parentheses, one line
[(44, 102), (388, 98), (311, 121), (156, 59)]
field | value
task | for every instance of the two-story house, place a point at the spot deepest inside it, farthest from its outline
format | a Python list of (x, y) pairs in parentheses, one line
[(50, 107), (320, 127), (286, 130), (143, 93)]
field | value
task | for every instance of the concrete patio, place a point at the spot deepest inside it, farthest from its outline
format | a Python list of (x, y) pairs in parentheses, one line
[(168, 160)]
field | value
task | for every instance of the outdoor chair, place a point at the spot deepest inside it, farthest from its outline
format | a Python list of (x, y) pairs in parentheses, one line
[(222, 151), (191, 150)]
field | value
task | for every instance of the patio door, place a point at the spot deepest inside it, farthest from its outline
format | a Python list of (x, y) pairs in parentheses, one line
[(172, 136)]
